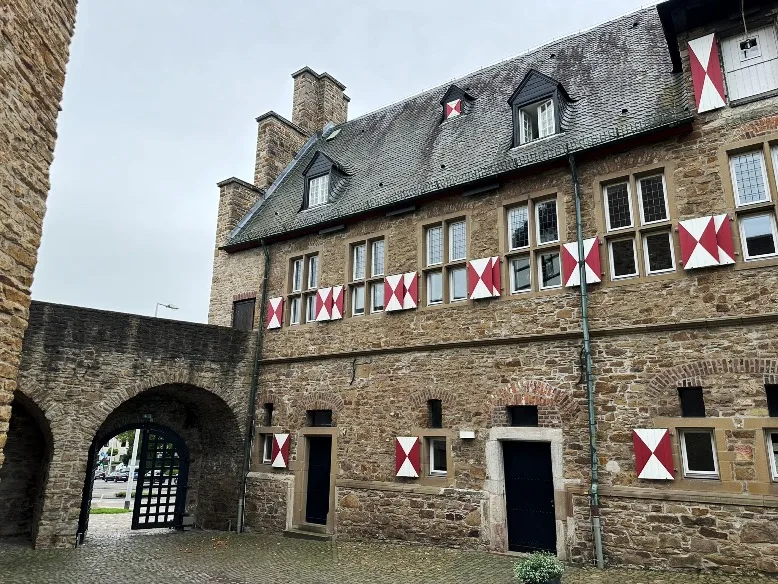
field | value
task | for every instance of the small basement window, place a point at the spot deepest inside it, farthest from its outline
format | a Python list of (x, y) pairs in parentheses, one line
[(320, 418), (523, 416), (698, 448), (437, 452), (435, 413), (692, 402), (772, 400)]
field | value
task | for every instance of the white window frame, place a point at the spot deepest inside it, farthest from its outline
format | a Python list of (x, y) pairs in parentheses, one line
[(313, 274), (267, 440), (428, 287), (698, 474), (606, 203), (550, 103), (297, 275), (772, 457), (295, 319), (318, 190), (373, 287), (634, 258), (312, 299), (743, 243), (512, 276), (354, 264), (432, 470), (427, 245), (649, 271), (354, 291), (451, 227), (451, 272), (511, 226), (643, 221), (542, 252), (536, 215), (524, 121), (373, 245), (765, 182)]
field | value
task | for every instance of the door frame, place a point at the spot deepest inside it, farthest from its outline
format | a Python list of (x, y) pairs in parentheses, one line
[(495, 484), (301, 478)]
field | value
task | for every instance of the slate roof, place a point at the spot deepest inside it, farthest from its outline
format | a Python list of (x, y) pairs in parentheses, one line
[(403, 151)]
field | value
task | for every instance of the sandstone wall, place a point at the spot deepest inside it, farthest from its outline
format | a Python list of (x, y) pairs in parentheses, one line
[(34, 43)]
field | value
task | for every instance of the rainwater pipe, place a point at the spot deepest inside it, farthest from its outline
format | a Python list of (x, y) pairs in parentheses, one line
[(250, 418), (594, 494)]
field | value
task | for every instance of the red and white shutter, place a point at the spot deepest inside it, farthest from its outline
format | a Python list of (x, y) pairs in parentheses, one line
[(707, 78), (453, 108), (275, 313), (337, 303), (706, 241), (410, 290), (481, 274), (571, 275), (323, 304), (280, 454), (394, 293), (653, 454), (407, 456)]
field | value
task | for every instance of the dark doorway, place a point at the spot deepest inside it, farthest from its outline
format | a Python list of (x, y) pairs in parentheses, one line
[(317, 503), (529, 496), (162, 473)]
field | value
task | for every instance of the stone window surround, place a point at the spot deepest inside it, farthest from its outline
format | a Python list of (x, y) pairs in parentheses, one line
[(350, 243), (257, 464), (444, 221), (507, 254), (495, 483), (726, 482), (304, 290), (767, 142), (299, 467), (425, 479), (631, 175)]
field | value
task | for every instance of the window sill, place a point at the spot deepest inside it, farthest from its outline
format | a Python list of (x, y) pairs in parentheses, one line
[(753, 98), (611, 283), (755, 207), (743, 264)]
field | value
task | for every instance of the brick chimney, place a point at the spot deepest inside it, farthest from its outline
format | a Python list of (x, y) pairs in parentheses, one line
[(318, 99)]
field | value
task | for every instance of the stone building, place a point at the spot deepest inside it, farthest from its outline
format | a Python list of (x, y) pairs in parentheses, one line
[(422, 373), (34, 45)]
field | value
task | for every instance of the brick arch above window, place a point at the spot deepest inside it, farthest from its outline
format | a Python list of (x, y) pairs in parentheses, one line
[(319, 400), (533, 392), (420, 398)]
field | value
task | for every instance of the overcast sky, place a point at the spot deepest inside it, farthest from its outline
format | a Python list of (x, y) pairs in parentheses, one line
[(160, 101)]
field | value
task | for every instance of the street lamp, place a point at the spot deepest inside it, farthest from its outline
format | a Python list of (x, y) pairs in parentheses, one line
[(170, 306)]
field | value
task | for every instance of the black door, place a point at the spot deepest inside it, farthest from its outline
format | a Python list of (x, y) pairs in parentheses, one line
[(529, 496), (317, 503)]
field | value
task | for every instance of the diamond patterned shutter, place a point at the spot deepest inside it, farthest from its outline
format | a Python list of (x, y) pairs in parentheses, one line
[(394, 292), (337, 303), (653, 454), (410, 290), (571, 275), (323, 304), (706, 241), (707, 78), (453, 108), (280, 453), (481, 274), (275, 313), (407, 456)]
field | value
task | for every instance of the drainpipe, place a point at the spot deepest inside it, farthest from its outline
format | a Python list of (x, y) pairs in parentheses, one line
[(594, 493), (250, 418)]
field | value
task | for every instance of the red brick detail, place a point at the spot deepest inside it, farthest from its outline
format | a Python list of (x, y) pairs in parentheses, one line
[(537, 393), (765, 125), (692, 374), (244, 296), (420, 398), (319, 400)]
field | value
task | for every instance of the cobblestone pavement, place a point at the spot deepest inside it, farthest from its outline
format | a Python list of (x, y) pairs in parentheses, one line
[(113, 554)]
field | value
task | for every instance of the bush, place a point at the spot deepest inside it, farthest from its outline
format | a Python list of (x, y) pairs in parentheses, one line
[(122, 494), (538, 568)]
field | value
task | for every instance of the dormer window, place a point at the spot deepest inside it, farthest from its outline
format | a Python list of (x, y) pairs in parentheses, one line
[(455, 102), (537, 121), (318, 190), (538, 104)]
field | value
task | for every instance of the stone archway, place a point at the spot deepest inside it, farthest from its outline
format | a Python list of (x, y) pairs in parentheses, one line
[(24, 474)]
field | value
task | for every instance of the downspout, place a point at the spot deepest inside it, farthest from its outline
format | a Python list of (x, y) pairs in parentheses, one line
[(250, 418), (594, 493)]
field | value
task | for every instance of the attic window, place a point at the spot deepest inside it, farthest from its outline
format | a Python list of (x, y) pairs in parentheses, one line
[(318, 190), (455, 102), (453, 108), (537, 121)]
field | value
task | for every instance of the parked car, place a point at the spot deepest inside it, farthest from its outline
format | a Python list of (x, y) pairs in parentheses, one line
[(99, 474), (119, 476)]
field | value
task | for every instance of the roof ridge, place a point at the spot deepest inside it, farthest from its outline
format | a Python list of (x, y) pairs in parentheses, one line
[(456, 80)]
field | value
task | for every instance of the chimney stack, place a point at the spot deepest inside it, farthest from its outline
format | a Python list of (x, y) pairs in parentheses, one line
[(318, 99)]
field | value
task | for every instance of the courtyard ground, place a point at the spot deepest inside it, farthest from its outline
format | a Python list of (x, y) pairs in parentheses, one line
[(114, 554)]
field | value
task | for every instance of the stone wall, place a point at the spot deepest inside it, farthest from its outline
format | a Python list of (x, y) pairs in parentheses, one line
[(34, 43), (92, 372)]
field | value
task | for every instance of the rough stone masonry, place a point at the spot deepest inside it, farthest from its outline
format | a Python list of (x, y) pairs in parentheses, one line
[(34, 42)]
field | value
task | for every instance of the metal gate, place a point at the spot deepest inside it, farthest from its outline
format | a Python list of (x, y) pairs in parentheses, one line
[(160, 492)]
